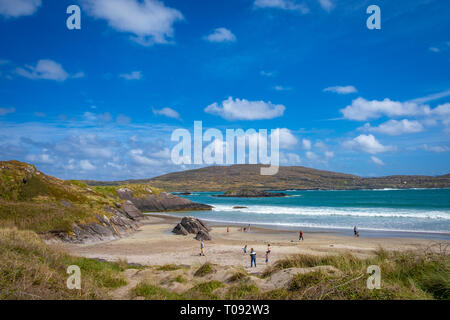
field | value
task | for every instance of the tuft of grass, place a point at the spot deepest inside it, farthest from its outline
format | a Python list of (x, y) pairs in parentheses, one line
[(203, 291), (238, 275), (153, 292), (169, 267), (180, 279), (242, 291), (204, 270), (303, 281)]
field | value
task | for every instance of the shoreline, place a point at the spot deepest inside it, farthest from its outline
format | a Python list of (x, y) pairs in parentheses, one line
[(368, 233)]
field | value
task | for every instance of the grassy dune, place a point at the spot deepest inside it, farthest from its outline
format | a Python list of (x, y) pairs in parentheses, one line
[(34, 201), (407, 275), (29, 269)]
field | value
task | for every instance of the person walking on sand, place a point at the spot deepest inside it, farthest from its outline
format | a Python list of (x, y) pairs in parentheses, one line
[(300, 235), (267, 253), (355, 231), (252, 258), (202, 248), (245, 249), (248, 229)]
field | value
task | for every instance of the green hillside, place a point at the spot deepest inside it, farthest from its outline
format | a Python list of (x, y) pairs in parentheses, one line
[(30, 199)]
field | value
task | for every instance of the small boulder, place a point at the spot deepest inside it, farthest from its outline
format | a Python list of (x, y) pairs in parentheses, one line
[(191, 225)]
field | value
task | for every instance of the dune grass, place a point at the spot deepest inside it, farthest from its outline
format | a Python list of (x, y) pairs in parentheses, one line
[(204, 270), (29, 269), (404, 275)]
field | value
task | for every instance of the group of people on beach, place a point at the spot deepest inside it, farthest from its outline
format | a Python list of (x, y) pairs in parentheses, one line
[(252, 252), (253, 255)]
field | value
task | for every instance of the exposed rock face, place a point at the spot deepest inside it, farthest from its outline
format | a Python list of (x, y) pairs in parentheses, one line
[(250, 193), (202, 235), (194, 226), (125, 220), (162, 202)]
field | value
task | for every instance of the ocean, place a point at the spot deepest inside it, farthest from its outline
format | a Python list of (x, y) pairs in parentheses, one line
[(387, 212)]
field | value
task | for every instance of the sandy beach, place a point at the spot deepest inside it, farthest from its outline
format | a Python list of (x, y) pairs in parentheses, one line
[(155, 244)]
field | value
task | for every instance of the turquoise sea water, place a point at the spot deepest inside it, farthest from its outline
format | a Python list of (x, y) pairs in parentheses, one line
[(418, 211)]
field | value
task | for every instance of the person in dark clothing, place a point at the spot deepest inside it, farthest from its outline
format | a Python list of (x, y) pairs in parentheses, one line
[(252, 258), (300, 235), (355, 231)]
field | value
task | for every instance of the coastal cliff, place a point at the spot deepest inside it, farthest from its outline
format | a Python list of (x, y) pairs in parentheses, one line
[(74, 212)]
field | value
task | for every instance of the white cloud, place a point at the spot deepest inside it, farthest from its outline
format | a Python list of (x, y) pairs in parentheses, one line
[(89, 116), (329, 154), (432, 97), (394, 127), (327, 5), (311, 155), (367, 143), (341, 89), (44, 69), (282, 88), (221, 35), (78, 75), (306, 144), (289, 158), (168, 112), (362, 109), (287, 139), (434, 49), (138, 156), (266, 73), (5, 111), (377, 161), (237, 109), (135, 75), (437, 149), (18, 8), (282, 4), (150, 21), (86, 165), (40, 158)]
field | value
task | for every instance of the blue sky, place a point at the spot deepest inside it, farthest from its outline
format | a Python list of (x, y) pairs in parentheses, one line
[(102, 102)]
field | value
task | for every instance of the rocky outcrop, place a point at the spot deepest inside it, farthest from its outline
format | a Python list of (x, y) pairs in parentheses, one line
[(250, 193), (162, 202), (124, 219), (127, 217), (202, 235), (191, 225)]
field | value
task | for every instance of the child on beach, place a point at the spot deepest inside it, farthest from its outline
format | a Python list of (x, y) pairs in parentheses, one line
[(252, 258), (355, 231), (245, 249), (300, 236), (202, 248)]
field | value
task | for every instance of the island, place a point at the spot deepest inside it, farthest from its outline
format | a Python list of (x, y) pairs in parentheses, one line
[(250, 193)]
